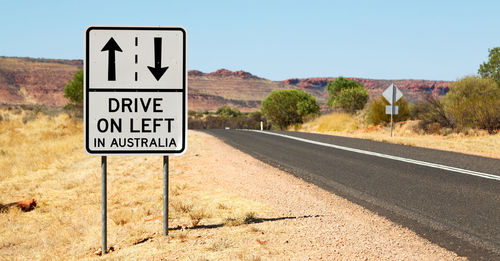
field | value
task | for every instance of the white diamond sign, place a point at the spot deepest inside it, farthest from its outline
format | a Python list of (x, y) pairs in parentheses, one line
[(390, 91)]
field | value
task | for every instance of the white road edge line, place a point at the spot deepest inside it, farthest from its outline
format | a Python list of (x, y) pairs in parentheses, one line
[(381, 155)]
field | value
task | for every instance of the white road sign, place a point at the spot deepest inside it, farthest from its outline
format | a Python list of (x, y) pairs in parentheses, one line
[(388, 109), (135, 95), (389, 92)]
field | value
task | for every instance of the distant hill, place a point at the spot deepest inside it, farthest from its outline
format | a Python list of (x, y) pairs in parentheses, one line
[(42, 81), (35, 81)]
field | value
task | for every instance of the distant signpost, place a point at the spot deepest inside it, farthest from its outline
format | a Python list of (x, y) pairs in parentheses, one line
[(135, 97), (392, 94)]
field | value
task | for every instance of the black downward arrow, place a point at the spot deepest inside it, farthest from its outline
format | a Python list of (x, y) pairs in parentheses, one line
[(157, 71), (112, 47)]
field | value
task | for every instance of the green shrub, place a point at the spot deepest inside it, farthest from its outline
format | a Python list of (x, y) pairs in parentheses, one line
[(351, 100), (346, 95), (287, 107), (74, 89), (334, 87), (376, 111), (473, 102), (227, 111)]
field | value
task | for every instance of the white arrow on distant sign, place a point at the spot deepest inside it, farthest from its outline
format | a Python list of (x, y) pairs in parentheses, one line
[(389, 92)]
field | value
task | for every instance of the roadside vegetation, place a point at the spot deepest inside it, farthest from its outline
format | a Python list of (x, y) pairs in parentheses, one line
[(289, 107), (466, 119), (42, 158), (346, 95), (470, 107), (73, 91), (226, 117), (279, 110)]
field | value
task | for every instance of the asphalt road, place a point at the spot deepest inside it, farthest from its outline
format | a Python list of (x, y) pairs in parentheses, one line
[(458, 211)]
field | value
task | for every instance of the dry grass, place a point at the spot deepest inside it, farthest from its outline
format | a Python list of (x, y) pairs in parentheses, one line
[(332, 122), (181, 206), (197, 215), (44, 159), (474, 142)]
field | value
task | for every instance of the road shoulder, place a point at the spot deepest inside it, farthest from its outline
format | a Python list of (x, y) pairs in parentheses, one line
[(309, 222)]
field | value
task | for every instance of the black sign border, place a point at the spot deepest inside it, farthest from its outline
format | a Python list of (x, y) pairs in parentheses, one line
[(87, 91)]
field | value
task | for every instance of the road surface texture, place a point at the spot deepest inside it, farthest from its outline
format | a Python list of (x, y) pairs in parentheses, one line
[(456, 209)]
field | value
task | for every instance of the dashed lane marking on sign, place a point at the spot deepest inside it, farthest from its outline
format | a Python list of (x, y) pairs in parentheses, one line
[(136, 59), (386, 156)]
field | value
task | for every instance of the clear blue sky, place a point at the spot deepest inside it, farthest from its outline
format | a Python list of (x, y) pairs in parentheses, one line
[(439, 40)]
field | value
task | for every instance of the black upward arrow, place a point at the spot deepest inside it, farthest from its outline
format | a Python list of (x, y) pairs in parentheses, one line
[(157, 71), (111, 46)]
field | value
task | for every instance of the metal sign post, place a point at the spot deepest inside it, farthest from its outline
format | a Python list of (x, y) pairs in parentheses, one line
[(392, 104), (392, 94), (104, 207), (165, 195), (135, 97)]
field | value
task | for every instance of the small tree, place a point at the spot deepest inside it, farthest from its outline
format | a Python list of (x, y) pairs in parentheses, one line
[(474, 102), (227, 111), (346, 94), (351, 100), (286, 107), (74, 89), (376, 111), (491, 69), (340, 83)]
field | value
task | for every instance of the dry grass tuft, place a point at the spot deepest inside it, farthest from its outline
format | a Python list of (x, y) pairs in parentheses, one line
[(3, 208), (183, 237), (247, 218), (181, 206), (332, 122), (250, 217), (197, 215), (220, 244), (232, 222)]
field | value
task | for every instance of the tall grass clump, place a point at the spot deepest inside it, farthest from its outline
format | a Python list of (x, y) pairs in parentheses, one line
[(332, 122)]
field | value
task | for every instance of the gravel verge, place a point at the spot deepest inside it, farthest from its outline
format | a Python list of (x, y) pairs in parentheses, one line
[(310, 223)]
